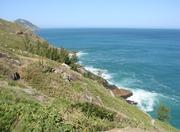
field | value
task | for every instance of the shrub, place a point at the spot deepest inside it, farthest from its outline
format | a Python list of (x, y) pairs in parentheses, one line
[(20, 114), (87, 74), (74, 67), (94, 110), (163, 113)]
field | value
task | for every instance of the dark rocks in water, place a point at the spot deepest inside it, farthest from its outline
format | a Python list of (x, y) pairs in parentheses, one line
[(15, 76), (131, 102)]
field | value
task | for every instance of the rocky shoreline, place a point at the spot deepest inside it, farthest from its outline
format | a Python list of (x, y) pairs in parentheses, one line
[(115, 91)]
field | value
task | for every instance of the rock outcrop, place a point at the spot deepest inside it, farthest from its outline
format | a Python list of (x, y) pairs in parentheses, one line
[(121, 92), (15, 76), (131, 102)]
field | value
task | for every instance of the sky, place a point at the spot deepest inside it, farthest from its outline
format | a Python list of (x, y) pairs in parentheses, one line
[(94, 13)]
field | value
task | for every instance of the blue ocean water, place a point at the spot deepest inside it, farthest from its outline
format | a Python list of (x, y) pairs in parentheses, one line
[(147, 61)]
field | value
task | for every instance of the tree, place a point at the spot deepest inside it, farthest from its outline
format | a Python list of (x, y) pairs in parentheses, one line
[(163, 113)]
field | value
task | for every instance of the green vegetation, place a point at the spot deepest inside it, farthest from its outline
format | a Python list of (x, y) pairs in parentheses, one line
[(163, 113), (65, 100), (45, 50), (93, 110), (22, 114)]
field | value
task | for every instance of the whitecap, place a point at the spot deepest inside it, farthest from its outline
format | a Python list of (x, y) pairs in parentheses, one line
[(80, 54), (146, 100), (99, 72)]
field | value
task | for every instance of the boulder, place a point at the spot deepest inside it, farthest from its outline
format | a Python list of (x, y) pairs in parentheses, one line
[(66, 66), (2, 55), (81, 70), (57, 70), (19, 32), (15, 76), (121, 92)]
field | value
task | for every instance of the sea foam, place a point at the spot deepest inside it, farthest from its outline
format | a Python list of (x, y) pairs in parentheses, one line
[(146, 100), (80, 54), (99, 72)]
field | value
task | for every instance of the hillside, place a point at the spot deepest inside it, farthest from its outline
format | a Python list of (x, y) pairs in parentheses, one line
[(26, 24), (41, 89)]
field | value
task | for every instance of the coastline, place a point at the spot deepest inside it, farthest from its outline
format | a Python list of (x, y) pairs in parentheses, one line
[(41, 84), (114, 90), (144, 99)]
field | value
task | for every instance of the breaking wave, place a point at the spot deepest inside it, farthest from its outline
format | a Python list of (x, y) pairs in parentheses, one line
[(80, 54), (100, 72), (146, 100)]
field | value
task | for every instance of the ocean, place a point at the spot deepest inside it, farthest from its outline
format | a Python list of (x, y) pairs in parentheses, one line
[(146, 61)]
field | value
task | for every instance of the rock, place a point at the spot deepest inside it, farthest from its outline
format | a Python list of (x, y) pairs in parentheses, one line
[(66, 73), (65, 65), (66, 77), (75, 76), (3, 55), (121, 92), (88, 98), (81, 70), (131, 102), (57, 70), (19, 32), (15, 62), (15, 76)]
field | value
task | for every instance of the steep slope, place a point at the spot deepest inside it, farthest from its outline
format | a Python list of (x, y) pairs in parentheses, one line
[(39, 92)]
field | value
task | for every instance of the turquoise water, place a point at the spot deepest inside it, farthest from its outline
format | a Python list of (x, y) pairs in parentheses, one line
[(147, 61)]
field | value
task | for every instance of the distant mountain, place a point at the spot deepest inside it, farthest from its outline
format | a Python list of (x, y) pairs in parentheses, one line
[(26, 24)]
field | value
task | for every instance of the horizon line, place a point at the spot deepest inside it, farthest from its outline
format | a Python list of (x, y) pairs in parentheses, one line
[(109, 28)]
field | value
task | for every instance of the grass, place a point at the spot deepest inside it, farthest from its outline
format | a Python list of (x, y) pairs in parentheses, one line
[(66, 107)]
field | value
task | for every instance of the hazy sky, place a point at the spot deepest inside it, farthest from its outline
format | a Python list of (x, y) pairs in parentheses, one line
[(94, 13)]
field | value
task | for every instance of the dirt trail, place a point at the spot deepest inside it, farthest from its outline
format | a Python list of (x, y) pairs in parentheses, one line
[(126, 130)]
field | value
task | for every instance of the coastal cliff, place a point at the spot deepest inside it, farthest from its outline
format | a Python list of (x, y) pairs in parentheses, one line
[(43, 89)]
